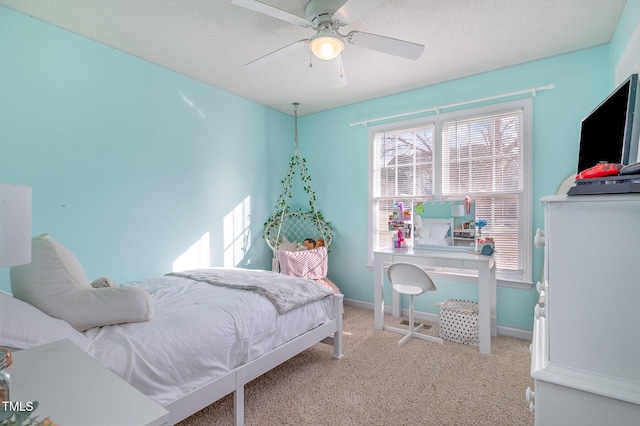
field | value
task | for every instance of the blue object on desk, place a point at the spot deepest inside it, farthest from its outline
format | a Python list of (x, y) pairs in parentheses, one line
[(487, 250)]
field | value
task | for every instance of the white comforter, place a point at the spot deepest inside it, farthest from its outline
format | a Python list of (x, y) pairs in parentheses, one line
[(200, 331)]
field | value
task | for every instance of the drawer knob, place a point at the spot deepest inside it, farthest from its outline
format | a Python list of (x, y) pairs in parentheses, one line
[(530, 396), (538, 240), (541, 286), (539, 311)]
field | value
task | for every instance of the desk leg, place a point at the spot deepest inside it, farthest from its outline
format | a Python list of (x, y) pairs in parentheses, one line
[(395, 304), (493, 286), (378, 293), (486, 302)]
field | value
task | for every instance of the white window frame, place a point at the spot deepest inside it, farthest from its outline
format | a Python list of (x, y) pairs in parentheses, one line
[(505, 278)]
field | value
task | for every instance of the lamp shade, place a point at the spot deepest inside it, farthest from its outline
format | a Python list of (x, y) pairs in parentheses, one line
[(457, 210), (326, 46), (15, 225)]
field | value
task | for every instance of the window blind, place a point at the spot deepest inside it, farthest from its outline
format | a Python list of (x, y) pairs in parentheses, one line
[(483, 158)]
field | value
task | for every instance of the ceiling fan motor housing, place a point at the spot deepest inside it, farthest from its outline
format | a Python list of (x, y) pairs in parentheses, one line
[(320, 13)]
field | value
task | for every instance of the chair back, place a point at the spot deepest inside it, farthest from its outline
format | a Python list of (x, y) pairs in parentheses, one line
[(403, 273)]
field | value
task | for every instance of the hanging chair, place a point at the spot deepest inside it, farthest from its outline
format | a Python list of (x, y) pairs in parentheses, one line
[(295, 227), (291, 228)]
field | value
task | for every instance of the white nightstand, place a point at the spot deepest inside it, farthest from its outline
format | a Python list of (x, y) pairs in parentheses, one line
[(72, 388)]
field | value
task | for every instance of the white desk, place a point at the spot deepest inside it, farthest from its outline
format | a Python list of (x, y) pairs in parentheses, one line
[(485, 265), (72, 388)]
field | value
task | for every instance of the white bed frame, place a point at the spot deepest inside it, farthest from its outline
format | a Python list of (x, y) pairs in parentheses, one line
[(234, 381)]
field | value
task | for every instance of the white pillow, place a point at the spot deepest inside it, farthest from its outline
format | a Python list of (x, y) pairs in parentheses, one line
[(55, 283), (287, 245), (23, 326)]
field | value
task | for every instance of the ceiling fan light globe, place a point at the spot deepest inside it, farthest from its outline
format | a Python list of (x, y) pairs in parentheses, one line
[(326, 47)]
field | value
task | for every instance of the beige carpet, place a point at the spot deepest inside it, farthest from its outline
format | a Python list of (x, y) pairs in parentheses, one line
[(377, 383)]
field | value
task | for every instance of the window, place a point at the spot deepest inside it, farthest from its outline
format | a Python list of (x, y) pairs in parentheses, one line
[(483, 152)]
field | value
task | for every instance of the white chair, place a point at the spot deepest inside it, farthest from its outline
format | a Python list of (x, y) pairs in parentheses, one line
[(410, 279)]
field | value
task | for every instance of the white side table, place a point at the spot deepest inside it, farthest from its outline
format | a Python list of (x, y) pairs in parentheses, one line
[(72, 388)]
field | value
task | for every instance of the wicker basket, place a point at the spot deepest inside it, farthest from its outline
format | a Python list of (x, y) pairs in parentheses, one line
[(459, 322)]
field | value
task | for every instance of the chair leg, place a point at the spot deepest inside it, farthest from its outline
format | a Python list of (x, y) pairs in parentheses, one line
[(411, 322), (405, 338), (411, 332)]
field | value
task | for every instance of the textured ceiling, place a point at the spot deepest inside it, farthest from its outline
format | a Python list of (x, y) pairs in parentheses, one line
[(212, 40)]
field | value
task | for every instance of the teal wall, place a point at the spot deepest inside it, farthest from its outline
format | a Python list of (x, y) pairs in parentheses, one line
[(627, 25), (131, 163)]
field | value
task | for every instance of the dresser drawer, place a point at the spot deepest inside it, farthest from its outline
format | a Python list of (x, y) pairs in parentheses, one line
[(558, 405)]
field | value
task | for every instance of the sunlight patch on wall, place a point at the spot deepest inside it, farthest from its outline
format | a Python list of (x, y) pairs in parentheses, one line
[(237, 235), (196, 256)]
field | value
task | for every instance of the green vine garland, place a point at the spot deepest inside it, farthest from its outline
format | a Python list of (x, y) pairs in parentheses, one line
[(282, 207)]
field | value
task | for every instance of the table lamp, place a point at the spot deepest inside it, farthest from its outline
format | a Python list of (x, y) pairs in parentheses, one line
[(15, 225), (457, 210)]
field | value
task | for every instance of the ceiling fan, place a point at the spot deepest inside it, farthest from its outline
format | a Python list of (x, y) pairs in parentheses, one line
[(327, 17)]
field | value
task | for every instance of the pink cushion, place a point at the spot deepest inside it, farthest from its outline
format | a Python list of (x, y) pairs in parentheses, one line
[(329, 284), (310, 264)]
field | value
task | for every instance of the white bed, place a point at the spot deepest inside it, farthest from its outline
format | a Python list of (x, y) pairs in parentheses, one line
[(206, 341), (202, 342)]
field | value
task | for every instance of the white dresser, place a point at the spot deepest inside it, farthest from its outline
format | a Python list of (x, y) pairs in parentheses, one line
[(585, 354)]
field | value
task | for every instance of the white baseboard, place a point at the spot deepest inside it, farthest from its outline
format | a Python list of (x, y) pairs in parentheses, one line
[(428, 316)]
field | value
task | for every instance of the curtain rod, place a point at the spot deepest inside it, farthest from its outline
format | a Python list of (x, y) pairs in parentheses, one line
[(533, 91)]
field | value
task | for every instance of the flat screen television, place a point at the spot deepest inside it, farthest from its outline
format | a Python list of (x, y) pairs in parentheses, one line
[(611, 131)]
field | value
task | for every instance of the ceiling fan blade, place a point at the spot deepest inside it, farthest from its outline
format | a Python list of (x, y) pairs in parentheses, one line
[(388, 45), (278, 53), (352, 10), (274, 12), (338, 77)]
